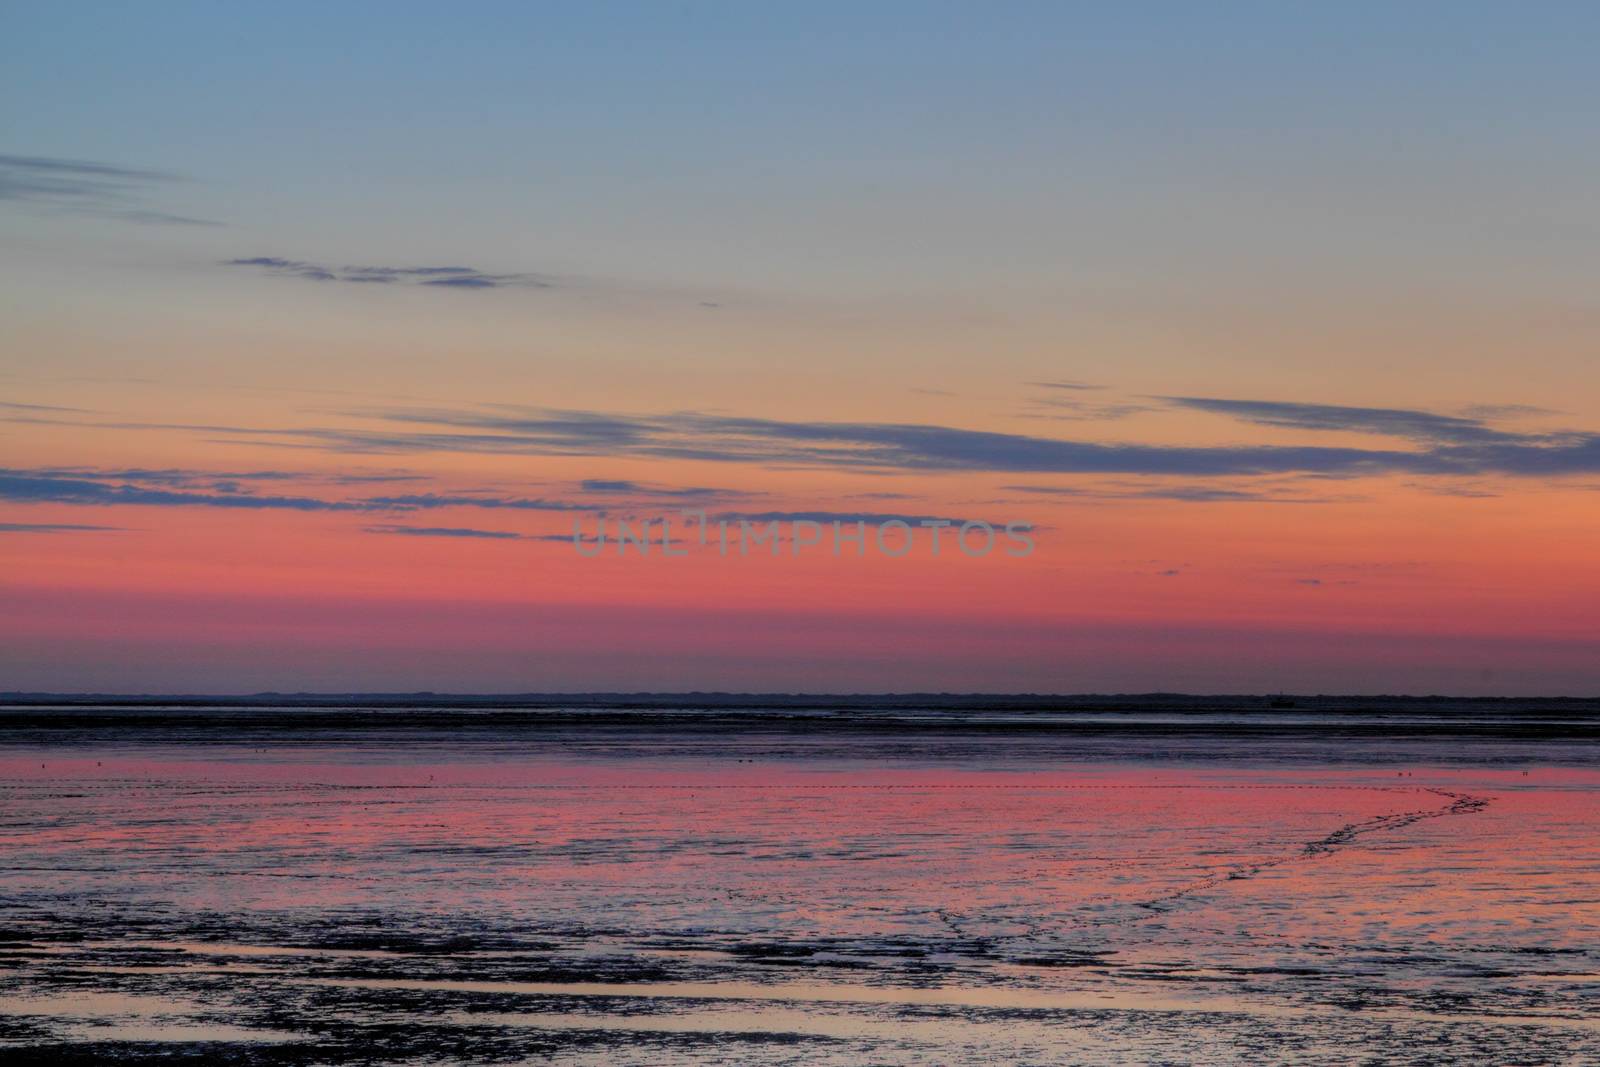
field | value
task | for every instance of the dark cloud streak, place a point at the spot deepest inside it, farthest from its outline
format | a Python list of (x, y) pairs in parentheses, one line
[(55, 527), (84, 187), (441, 277), (28, 487), (445, 531), (50, 486), (1435, 446), (631, 488), (828, 518), (1388, 422)]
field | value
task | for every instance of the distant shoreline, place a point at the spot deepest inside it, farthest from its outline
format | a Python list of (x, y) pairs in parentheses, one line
[(989, 701), (1167, 726)]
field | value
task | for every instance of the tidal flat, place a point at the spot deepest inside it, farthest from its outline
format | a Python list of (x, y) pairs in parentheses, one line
[(1098, 881)]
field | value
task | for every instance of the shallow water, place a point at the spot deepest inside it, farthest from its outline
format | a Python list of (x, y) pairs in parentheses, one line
[(385, 888)]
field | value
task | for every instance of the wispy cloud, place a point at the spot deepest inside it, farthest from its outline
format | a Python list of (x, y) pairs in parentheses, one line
[(444, 531), (89, 188), (433, 501), (1508, 411), (1192, 494), (14, 406), (1467, 492), (641, 489), (219, 480), (437, 277), (583, 539), (177, 489), (1071, 409), (370, 479), (171, 476), (34, 487), (827, 518), (1387, 422), (934, 448), (1428, 445), (53, 527)]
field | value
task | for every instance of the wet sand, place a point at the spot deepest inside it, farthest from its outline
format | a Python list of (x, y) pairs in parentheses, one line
[(635, 883)]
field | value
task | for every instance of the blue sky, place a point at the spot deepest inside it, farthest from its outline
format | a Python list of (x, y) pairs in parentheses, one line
[(277, 278), (937, 141)]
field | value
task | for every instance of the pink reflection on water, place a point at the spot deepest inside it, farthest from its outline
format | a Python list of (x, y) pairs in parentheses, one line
[(1227, 856), (844, 898)]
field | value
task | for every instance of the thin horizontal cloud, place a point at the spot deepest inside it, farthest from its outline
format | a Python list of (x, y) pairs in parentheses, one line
[(1508, 411), (1192, 494), (50, 486), (223, 480), (11, 405), (437, 277), (371, 479), (32, 488), (444, 531), (432, 501), (1072, 409), (471, 534), (22, 175), (1074, 386), (85, 187), (582, 539), (171, 476), (934, 448), (828, 518), (55, 527), (1466, 492), (1388, 422), (1431, 445), (885, 446), (642, 489), (158, 218)]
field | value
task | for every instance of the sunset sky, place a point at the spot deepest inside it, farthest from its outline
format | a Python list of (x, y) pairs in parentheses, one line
[(320, 325)]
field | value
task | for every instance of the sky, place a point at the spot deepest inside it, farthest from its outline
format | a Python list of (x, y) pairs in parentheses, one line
[(321, 326)]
